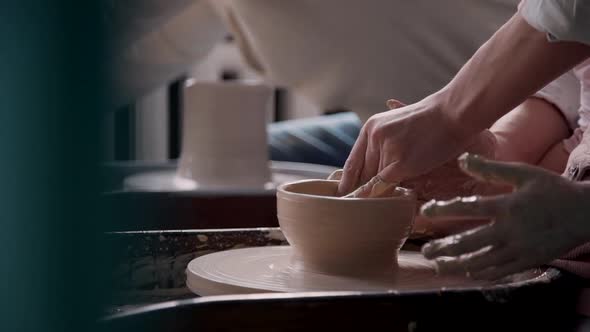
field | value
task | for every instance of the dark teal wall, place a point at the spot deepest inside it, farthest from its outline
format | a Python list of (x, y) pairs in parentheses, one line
[(52, 91)]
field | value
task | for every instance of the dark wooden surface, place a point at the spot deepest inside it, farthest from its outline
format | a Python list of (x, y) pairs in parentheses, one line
[(149, 267), (542, 307), (173, 211)]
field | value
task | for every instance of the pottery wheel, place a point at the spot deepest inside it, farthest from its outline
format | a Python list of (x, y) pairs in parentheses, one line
[(267, 269), (281, 172)]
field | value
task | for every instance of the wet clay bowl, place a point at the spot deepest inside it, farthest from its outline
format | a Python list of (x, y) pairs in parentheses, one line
[(344, 236)]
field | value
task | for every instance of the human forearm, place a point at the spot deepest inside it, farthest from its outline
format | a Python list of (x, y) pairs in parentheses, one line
[(515, 63)]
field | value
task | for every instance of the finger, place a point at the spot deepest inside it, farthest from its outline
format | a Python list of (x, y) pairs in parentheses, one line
[(501, 270), (515, 174), (472, 264), (373, 162), (463, 243), (394, 103), (336, 175), (465, 207), (364, 190), (374, 188), (392, 172), (354, 165), (371, 166)]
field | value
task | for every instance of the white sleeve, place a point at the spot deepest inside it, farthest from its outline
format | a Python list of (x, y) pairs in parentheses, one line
[(565, 20), (564, 93), (160, 44)]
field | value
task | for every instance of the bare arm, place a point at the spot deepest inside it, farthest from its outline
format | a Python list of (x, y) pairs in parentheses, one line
[(413, 140), (515, 63)]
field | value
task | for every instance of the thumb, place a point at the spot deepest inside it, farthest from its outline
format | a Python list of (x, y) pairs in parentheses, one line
[(484, 144)]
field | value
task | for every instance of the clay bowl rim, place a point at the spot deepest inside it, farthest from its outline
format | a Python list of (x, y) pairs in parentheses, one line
[(405, 193)]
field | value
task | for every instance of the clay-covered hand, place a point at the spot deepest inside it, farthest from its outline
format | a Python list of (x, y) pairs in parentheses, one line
[(578, 165), (545, 217), (449, 181), (402, 144)]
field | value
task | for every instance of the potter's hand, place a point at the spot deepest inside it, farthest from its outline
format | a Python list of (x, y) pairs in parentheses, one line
[(403, 143), (449, 181), (544, 218)]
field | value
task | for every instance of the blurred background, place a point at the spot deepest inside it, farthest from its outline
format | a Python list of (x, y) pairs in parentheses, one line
[(148, 129)]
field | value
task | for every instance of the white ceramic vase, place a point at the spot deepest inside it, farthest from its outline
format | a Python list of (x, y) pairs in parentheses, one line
[(224, 137)]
